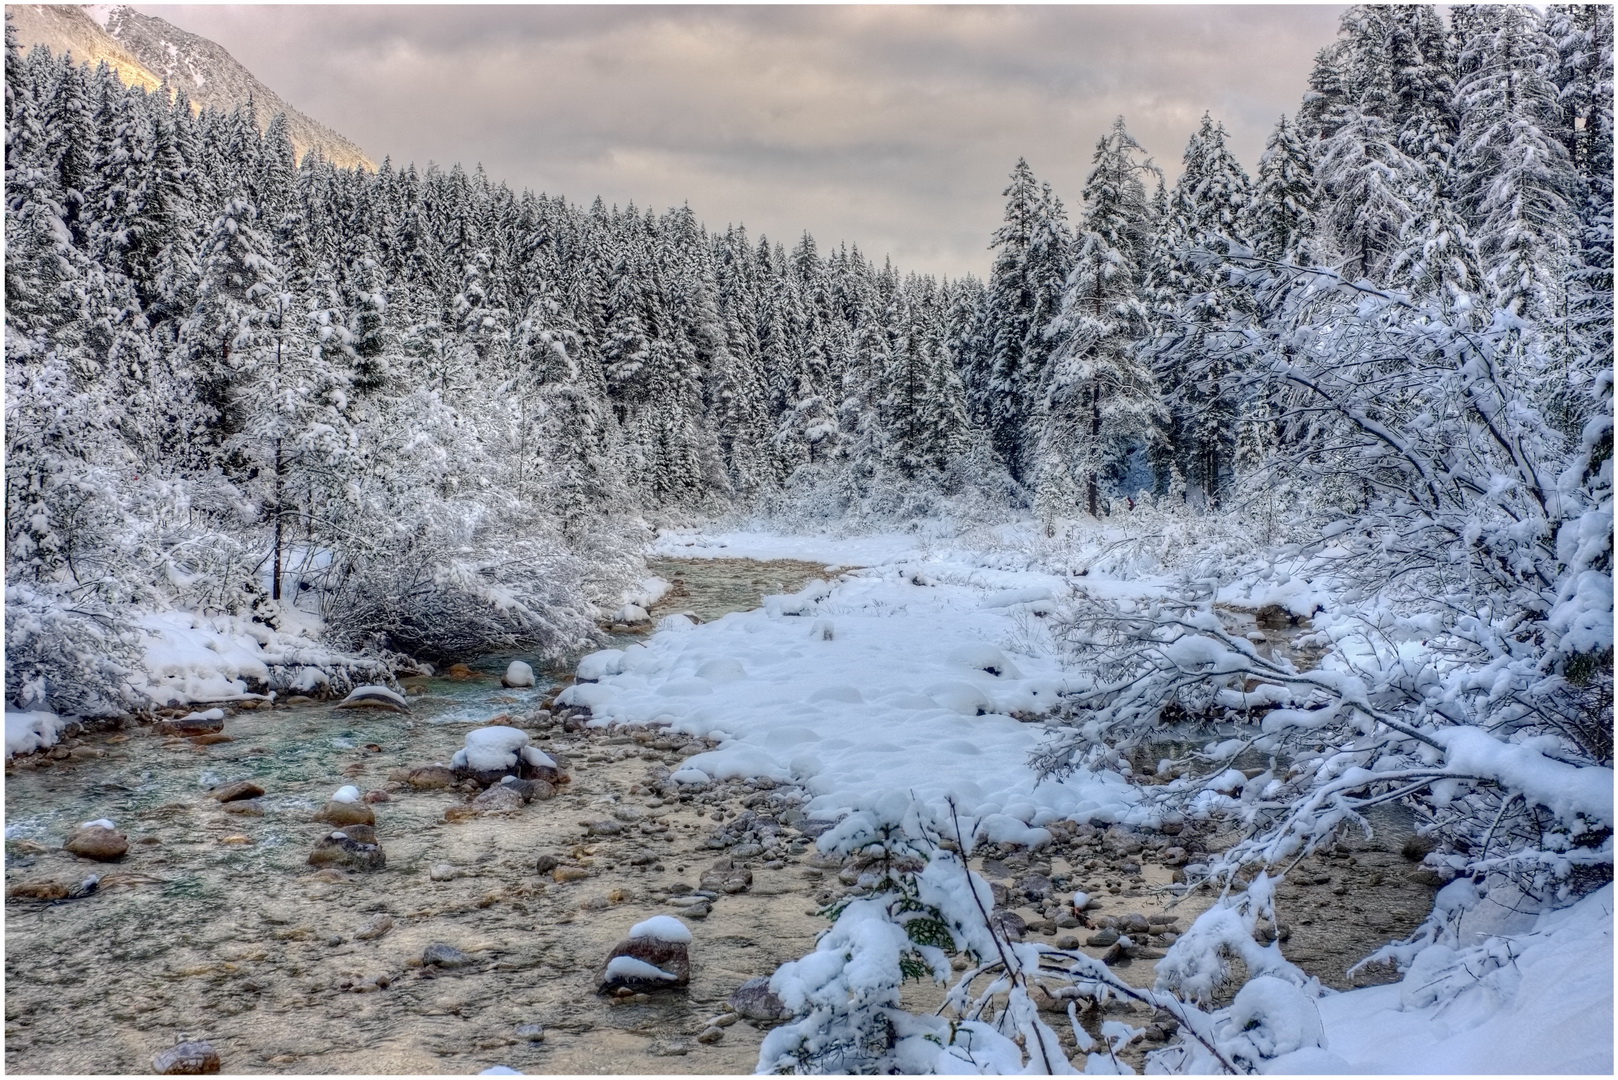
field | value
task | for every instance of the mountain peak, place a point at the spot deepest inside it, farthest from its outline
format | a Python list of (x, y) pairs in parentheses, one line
[(151, 52)]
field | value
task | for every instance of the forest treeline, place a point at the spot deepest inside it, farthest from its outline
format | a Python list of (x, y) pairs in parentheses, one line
[(434, 410)]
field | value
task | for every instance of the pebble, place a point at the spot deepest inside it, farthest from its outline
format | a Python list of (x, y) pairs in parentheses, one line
[(711, 1035), (531, 1032), (443, 872), (245, 807), (546, 863), (1102, 938)]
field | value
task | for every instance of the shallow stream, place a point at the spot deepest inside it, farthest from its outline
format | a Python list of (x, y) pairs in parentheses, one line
[(214, 926)]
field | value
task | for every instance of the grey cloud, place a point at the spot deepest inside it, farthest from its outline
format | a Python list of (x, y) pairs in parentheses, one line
[(890, 127)]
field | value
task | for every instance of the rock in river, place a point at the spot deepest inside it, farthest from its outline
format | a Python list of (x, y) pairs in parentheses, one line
[(241, 789), (655, 956), (98, 840), (755, 1000), (374, 697), (186, 1059), (354, 847), (344, 814)]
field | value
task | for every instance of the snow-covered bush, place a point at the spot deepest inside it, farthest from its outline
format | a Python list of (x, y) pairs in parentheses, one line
[(1468, 646), (922, 903)]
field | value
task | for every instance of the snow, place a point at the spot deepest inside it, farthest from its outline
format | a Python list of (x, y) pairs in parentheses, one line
[(375, 693), (30, 731), (662, 928), (491, 748), (99, 823), (519, 674), (1539, 1002), (627, 967), (348, 793), (598, 665), (898, 698)]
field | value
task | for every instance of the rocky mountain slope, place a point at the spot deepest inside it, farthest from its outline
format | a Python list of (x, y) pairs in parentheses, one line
[(146, 51)]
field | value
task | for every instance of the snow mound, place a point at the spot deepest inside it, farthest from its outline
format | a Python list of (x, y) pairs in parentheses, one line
[(348, 793), (518, 674), (676, 624), (374, 695), (100, 822), (30, 731), (985, 658), (490, 748), (631, 613), (1271, 1017), (598, 665), (627, 967), (662, 928)]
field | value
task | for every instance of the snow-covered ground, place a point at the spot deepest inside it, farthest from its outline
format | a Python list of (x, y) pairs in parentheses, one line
[(899, 680), (900, 677)]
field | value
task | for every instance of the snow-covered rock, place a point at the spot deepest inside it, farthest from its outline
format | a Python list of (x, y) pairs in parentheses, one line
[(662, 928), (518, 675), (374, 697), (654, 956), (492, 753)]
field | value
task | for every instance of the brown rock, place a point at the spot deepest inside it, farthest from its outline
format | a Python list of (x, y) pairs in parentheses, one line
[(241, 789), (37, 890), (377, 795), (343, 814), (459, 671), (192, 724), (98, 842), (210, 739), (564, 874), (501, 798), (186, 1059), (431, 777), (672, 957), (245, 808), (463, 812), (754, 1000)]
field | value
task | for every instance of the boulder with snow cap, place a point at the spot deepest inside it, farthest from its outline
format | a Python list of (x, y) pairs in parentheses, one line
[(346, 807), (655, 956), (374, 697), (98, 840), (493, 753), (518, 676)]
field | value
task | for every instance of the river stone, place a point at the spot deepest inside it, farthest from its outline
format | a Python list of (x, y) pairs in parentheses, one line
[(374, 927), (186, 1059), (1102, 938), (1009, 923), (725, 876), (445, 956), (443, 872), (38, 890), (528, 789), (459, 671), (546, 863), (374, 697), (755, 1000), (245, 807), (354, 847), (672, 957), (197, 723), (377, 795), (97, 842), (500, 798), (431, 777), (344, 814)]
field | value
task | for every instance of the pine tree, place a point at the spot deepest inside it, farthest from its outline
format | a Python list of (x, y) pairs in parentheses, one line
[(1098, 400), (1024, 293)]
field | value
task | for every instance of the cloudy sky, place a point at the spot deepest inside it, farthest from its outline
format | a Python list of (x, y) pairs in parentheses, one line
[(890, 127)]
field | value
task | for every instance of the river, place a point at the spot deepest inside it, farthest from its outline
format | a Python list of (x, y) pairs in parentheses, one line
[(214, 926)]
